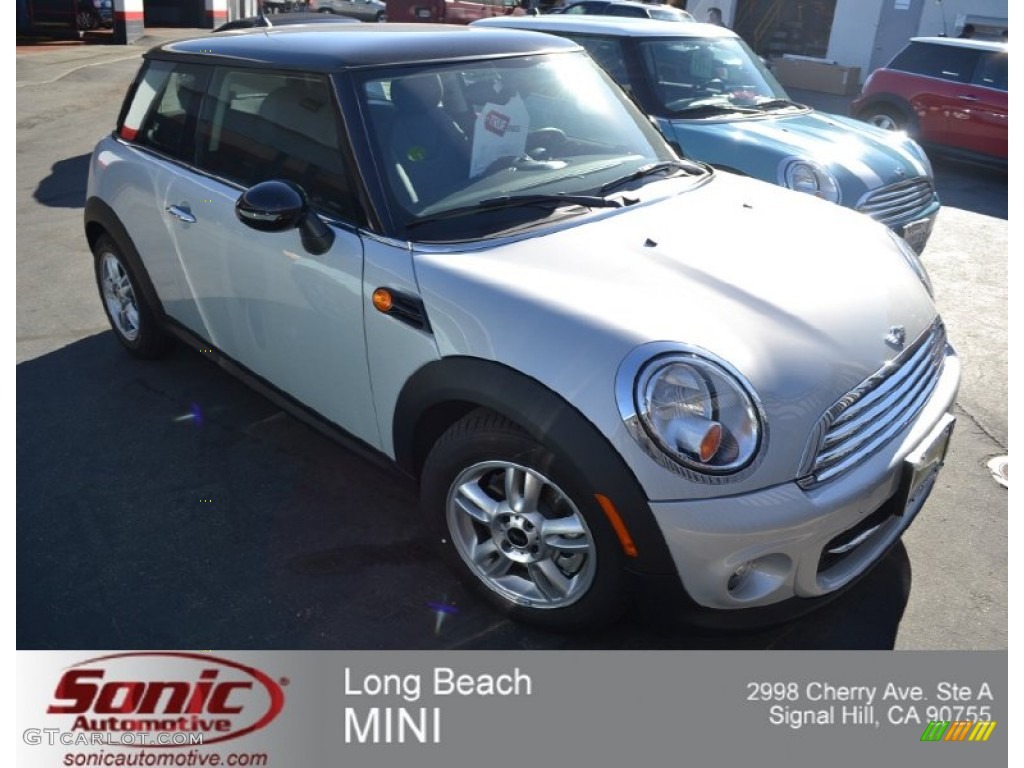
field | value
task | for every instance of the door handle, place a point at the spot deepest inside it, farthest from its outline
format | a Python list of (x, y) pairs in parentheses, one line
[(181, 213), (968, 98)]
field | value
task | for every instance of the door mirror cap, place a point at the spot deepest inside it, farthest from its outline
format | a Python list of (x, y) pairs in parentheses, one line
[(278, 206)]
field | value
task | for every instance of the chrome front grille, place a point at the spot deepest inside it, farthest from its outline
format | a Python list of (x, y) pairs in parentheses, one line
[(875, 411), (898, 202)]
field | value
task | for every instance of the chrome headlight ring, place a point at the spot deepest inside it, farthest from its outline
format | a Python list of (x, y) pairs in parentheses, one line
[(691, 412), (802, 175)]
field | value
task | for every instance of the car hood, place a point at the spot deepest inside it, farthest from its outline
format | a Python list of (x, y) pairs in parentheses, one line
[(796, 294), (862, 157)]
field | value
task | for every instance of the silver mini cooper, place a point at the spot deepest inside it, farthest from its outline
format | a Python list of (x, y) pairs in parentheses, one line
[(468, 250)]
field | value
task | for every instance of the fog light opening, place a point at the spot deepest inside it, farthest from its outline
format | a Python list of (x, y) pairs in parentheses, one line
[(739, 576), (757, 579)]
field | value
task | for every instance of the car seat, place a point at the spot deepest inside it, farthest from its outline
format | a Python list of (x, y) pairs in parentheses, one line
[(430, 152)]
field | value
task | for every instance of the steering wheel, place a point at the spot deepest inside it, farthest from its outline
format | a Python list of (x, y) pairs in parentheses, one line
[(714, 85), (546, 143)]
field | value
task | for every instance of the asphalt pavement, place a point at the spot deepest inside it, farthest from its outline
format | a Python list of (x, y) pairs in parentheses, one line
[(164, 505)]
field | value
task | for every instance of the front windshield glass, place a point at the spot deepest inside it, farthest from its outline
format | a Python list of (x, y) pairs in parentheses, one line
[(452, 136), (692, 73)]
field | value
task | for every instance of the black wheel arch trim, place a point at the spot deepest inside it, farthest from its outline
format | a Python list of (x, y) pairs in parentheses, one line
[(100, 219), (443, 391)]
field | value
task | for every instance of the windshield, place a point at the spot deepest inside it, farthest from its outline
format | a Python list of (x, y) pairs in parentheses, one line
[(692, 73), (453, 136)]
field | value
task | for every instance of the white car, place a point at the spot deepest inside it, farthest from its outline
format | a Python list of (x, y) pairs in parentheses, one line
[(364, 10), (468, 251)]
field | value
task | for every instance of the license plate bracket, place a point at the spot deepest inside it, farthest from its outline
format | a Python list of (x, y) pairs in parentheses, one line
[(922, 465), (916, 233)]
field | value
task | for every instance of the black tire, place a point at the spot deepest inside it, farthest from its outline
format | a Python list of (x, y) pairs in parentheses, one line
[(886, 117), (134, 322), (550, 557)]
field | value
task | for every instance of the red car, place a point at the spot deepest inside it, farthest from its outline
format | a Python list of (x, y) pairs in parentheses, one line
[(948, 93)]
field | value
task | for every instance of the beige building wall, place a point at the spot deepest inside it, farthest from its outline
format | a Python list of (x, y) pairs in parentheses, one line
[(853, 32)]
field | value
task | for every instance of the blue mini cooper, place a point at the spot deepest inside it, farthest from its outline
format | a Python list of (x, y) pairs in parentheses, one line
[(716, 102)]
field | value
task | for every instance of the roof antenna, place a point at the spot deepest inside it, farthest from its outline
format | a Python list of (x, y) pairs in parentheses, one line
[(263, 21)]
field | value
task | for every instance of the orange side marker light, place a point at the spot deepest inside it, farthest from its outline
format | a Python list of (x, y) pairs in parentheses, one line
[(383, 300), (618, 525)]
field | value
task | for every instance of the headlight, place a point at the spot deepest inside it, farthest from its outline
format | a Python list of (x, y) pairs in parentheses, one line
[(690, 413), (809, 177), (914, 261)]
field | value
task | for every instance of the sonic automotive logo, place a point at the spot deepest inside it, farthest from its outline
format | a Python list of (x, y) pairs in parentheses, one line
[(189, 693)]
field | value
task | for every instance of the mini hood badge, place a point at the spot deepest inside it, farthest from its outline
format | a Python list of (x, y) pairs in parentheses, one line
[(896, 337)]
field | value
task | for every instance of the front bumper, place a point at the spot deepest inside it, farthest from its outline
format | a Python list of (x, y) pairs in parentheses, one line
[(917, 232), (762, 548)]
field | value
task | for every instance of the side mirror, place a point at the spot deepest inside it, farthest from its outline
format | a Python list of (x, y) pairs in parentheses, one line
[(277, 206)]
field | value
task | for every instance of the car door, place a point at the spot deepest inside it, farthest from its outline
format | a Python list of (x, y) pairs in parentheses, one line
[(932, 85), (292, 318), (940, 106), (981, 123)]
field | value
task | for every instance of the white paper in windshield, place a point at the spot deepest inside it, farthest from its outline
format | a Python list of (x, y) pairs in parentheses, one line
[(500, 131)]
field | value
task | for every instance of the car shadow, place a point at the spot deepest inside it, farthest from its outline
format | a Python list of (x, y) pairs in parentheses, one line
[(65, 187), (971, 187), (165, 505)]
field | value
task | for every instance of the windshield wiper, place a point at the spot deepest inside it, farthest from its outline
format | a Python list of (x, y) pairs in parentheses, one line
[(778, 104), (715, 109), (517, 201), (651, 169)]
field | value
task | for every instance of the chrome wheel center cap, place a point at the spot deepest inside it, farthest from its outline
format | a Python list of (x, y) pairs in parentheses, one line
[(518, 537)]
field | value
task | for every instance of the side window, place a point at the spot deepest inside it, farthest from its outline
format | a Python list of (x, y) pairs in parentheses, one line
[(164, 109), (992, 71), (946, 62), (626, 10), (257, 126), (607, 52)]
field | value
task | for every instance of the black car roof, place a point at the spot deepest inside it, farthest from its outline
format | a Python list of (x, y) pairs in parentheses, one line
[(329, 48)]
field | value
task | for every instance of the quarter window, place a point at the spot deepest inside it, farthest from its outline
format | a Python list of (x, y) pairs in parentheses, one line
[(164, 109), (992, 71)]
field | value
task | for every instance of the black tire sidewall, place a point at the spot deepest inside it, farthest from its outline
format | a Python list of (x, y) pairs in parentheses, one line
[(483, 436), (151, 341)]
